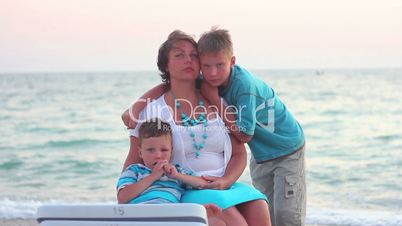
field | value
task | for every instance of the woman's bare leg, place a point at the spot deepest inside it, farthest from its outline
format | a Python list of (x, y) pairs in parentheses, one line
[(213, 213), (255, 212), (215, 221), (231, 216), (212, 210)]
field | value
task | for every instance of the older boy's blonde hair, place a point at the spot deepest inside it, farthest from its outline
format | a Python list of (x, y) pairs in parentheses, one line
[(214, 41)]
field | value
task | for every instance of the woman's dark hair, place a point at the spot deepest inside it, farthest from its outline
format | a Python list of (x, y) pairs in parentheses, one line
[(164, 49)]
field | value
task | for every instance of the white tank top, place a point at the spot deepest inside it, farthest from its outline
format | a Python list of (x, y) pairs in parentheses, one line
[(211, 157), (216, 153)]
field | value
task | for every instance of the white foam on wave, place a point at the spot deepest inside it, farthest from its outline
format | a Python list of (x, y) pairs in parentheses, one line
[(352, 217), (10, 209), (26, 209)]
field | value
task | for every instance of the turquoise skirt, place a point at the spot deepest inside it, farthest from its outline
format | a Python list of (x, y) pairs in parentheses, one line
[(237, 194)]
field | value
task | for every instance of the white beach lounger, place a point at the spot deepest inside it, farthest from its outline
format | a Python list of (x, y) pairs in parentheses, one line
[(180, 214)]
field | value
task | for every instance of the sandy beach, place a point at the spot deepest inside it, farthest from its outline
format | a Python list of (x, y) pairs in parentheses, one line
[(32, 222)]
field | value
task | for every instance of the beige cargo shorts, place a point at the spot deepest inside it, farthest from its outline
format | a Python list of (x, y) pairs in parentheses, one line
[(282, 180)]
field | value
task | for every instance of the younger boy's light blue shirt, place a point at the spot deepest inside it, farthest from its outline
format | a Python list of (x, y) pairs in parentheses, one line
[(165, 188), (261, 114)]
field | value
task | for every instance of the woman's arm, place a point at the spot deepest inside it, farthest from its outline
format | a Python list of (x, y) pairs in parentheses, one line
[(237, 162), (130, 118), (132, 156), (234, 169)]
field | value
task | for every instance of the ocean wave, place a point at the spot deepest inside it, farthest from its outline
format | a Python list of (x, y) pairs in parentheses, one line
[(10, 209), (11, 164), (60, 144), (353, 217), (46, 130), (26, 209), (388, 137), (73, 143)]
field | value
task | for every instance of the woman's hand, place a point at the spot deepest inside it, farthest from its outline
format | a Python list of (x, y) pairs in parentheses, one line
[(218, 183)]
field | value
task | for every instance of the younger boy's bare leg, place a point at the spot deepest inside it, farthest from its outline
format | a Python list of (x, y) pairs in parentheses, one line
[(256, 212)]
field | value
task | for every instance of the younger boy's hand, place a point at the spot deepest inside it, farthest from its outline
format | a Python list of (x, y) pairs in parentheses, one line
[(170, 170), (158, 169), (210, 92)]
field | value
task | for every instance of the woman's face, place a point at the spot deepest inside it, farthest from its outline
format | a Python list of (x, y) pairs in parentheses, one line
[(183, 63)]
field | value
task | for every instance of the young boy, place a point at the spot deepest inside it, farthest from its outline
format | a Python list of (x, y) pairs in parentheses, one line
[(156, 180), (275, 138)]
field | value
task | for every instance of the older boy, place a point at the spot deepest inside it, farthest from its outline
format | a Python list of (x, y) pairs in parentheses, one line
[(274, 136)]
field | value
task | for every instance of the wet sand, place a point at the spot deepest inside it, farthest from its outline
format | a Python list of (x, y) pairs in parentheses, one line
[(32, 222)]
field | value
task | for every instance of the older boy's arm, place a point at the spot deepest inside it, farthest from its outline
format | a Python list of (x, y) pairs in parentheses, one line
[(228, 116), (132, 156), (130, 119)]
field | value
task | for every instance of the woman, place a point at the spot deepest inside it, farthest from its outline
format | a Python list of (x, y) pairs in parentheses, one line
[(200, 140)]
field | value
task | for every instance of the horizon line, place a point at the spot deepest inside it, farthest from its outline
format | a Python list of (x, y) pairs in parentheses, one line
[(107, 71)]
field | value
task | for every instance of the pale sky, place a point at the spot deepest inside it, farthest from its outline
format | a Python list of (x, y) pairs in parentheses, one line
[(124, 35)]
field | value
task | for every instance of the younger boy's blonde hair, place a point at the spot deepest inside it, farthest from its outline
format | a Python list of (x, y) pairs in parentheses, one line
[(214, 41), (154, 128)]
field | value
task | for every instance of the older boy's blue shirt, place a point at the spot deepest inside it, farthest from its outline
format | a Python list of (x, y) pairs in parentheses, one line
[(262, 114)]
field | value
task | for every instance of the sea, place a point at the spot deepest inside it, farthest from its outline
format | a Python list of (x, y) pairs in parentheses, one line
[(62, 139)]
